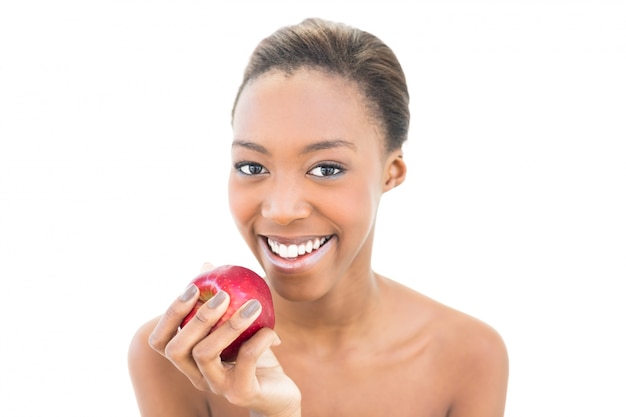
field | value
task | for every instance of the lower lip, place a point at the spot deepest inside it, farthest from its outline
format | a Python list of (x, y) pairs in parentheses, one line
[(299, 264)]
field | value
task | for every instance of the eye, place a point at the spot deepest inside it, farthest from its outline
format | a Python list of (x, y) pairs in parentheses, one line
[(326, 170), (250, 168)]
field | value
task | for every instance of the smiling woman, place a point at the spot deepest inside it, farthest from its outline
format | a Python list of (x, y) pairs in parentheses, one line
[(290, 202), (318, 128)]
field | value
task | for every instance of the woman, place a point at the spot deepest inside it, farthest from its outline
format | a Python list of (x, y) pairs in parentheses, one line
[(318, 127)]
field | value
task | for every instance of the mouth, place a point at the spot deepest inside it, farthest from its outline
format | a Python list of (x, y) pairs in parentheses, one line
[(293, 250)]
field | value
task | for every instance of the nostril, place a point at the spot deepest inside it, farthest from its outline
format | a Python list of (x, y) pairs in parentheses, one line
[(285, 209)]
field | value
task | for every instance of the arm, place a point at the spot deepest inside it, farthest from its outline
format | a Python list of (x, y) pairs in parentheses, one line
[(482, 382), (160, 388)]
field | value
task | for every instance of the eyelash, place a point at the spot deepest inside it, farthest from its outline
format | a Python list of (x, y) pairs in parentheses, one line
[(245, 169), (337, 169), (245, 166)]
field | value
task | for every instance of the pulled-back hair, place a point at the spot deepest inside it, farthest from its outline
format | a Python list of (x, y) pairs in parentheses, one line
[(336, 48)]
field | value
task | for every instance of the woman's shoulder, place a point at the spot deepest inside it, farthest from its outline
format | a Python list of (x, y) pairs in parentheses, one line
[(140, 354), (452, 332), (465, 354), (160, 388)]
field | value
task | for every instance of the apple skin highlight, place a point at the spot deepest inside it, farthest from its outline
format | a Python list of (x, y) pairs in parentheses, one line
[(241, 284)]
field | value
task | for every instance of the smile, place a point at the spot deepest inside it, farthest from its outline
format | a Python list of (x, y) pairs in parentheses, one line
[(291, 251)]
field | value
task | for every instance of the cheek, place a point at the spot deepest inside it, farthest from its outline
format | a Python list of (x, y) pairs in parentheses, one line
[(241, 202), (355, 206)]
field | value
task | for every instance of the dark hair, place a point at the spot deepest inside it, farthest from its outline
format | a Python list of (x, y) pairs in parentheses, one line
[(339, 49)]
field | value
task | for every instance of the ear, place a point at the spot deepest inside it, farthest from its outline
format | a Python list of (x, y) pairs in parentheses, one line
[(395, 170)]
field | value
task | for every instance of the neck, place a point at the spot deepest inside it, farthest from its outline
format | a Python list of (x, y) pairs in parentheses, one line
[(340, 318)]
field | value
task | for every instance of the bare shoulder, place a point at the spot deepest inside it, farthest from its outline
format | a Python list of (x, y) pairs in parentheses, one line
[(478, 365), (468, 353), (449, 325), (160, 388)]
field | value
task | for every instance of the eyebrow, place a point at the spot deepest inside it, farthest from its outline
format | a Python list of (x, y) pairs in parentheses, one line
[(250, 145), (313, 147), (328, 144)]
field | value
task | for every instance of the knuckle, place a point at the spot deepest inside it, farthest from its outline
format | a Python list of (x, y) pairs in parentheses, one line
[(236, 325), (200, 355), (173, 352), (173, 312), (156, 342), (247, 350), (196, 354), (202, 316)]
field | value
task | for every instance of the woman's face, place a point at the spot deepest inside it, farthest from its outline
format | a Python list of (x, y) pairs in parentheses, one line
[(308, 171)]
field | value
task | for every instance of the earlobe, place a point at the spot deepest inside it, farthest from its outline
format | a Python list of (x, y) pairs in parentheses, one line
[(395, 172)]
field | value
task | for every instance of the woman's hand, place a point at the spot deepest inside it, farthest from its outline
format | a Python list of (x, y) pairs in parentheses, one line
[(255, 381)]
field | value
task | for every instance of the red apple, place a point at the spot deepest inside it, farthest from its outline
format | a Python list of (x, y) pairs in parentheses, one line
[(241, 284)]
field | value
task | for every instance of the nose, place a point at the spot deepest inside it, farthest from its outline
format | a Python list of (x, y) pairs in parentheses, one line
[(285, 202)]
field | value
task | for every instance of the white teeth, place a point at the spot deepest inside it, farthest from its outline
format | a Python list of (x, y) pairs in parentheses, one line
[(293, 251)]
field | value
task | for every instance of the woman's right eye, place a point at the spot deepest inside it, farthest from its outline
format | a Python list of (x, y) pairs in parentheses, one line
[(250, 168)]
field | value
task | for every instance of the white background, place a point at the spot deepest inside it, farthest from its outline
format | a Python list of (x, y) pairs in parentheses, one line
[(114, 154)]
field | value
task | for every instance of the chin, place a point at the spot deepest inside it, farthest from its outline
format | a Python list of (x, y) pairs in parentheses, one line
[(302, 278)]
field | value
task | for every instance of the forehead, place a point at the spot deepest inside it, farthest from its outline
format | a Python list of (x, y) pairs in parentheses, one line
[(306, 104)]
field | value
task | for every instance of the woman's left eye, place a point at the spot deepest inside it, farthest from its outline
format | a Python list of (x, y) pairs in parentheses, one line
[(326, 170), (250, 168)]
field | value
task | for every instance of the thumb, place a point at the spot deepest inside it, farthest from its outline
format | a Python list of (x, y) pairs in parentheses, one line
[(207, 266), (268, 359)]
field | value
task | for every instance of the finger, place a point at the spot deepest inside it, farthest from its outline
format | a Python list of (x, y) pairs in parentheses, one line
[(167, 327), (256, 354), (207, 352), (180, 349), (205, 317), (255, 363)]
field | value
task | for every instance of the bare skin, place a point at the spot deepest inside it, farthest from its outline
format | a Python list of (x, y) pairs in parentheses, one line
[(347, 341)]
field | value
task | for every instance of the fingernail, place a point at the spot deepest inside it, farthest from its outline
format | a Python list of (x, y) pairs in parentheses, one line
[(251, 308), (217, 299), (189, 292)]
